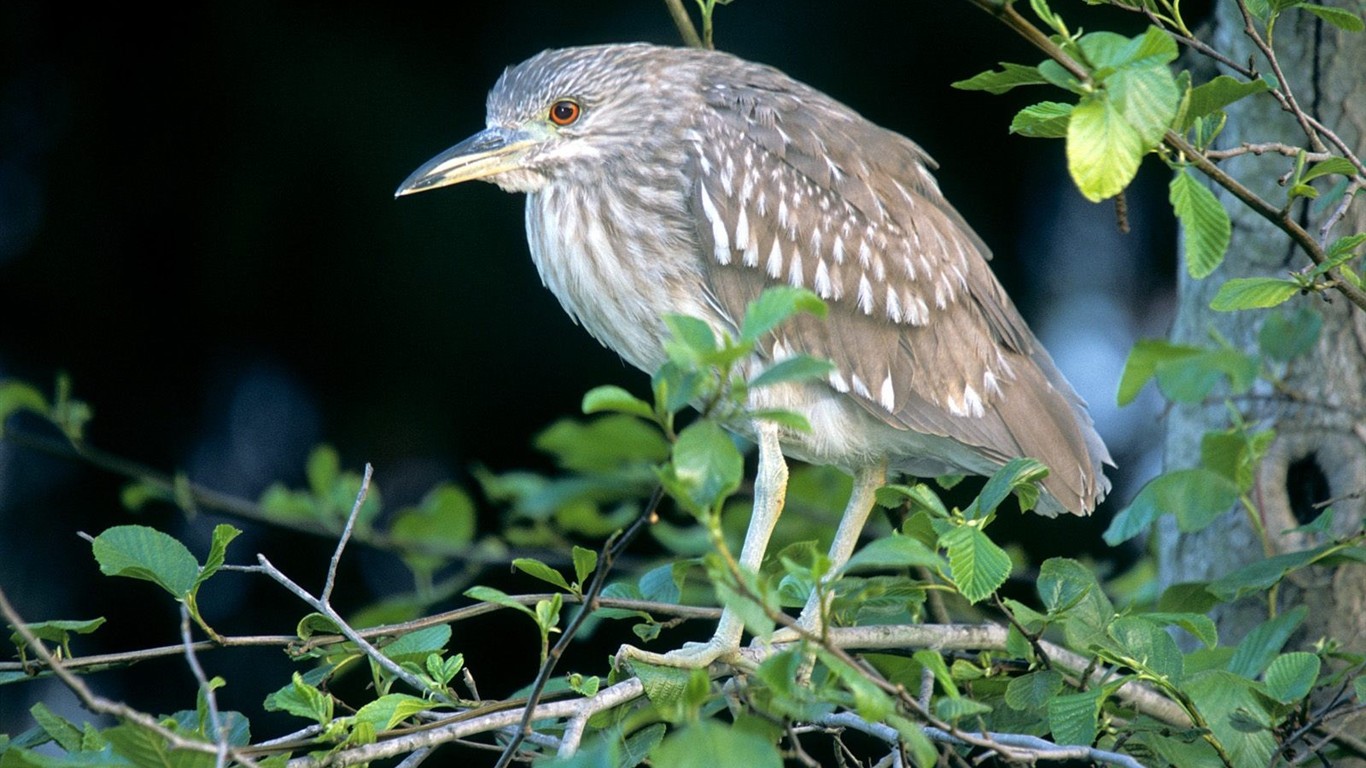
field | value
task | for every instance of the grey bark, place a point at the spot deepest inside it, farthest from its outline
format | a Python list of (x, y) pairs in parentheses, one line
[(1326, 69)]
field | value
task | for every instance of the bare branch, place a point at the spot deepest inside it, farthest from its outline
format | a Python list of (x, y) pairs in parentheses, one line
[(346, 533)]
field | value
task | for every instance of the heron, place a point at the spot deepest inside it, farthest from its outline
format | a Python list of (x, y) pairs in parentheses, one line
[(663, 180)]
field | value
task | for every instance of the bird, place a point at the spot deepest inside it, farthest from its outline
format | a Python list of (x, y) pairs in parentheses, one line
[(670, 180)]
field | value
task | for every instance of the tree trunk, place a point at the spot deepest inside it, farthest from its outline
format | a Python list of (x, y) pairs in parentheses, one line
[(1320, 446)]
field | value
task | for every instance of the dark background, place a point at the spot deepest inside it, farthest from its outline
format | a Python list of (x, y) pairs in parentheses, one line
[(197, 225)]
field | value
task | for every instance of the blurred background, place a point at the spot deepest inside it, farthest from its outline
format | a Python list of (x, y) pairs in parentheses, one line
[(197, 226)]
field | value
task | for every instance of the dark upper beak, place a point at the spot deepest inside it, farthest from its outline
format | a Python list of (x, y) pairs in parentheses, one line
[(487, 153)]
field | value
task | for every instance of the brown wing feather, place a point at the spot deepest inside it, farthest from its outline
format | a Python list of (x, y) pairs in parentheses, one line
[(792, 187)]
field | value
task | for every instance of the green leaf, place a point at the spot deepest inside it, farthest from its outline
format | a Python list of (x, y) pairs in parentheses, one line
[(1034, 690), (795, 368), (1147, 98), (444, 518), (17, 396), (1197, 497), (1265, 640), (1200, 626), (1208, 98), (585, 562), (1191, 380), (323, 470), (1260, 575), (604, 444), (1070, 593), (613, 398), (1227, 702), (706, 464), (60, 729), (1010, 76), (218, 550), (1286, 336), (139, 552), (1205, 226), (1103, 149), (1016, 474), (417, 645), (709, 743), (775, 306), (691, 338), (787, 419), (955, 708), (1339, 17), (302, 700), (978, 567), (1147, 646), (497, 597), (1045, 120), (391, 709), (541, 571), (143, 747), (1290, 676), (548, 613), (1143, 362), (57, 630), (894, 551), (1073, 718), (1253, 293), (1338, 165), (665, 687)]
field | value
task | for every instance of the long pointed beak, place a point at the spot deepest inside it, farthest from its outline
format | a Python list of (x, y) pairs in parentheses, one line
[(489, 152)]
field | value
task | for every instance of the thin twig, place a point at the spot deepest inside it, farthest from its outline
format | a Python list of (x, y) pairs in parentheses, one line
[(684, 23), (364, 491), (219, 733), (100, 705), (613, 547)]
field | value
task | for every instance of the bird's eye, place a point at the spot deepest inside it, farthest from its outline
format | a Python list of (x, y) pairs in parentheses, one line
[(564, 112)]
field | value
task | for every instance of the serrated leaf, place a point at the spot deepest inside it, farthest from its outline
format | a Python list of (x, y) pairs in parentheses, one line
[(1045, 120), (223, 535), (1290, 676), (954, 708), (1010, 76), (497, 597), (706, 464), (1147, 98), (1197, 497), (775, 306), (585, 562), (391, 709), (1200, 626), (1072, 718), (1142, 364), (1072, 595), (1286, 336), (1034, 690), (616, 399), (1339, 17), (1261, 645), (978, 567), (541, 571), (301, 699), (603, 444), (1260, 575), (417, 645), (1253, 293), (1016, 474), (1226, 701), (894, 552), (139, 552), (1208, 98), (665, 687), (709, 743), (56, 630), (1103, 149), (58, 728), (1205, 225), (1338, 165), (795, 368), (1145, 645)]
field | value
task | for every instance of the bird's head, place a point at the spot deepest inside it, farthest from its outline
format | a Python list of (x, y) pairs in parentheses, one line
[(561, 114)]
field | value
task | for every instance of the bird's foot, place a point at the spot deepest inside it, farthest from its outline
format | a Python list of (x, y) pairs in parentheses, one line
[(690, 656)]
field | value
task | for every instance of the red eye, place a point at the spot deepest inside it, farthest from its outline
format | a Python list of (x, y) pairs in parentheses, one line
[(564, 112)]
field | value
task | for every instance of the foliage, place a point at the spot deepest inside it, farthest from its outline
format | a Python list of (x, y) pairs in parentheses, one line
[(1072, 671)]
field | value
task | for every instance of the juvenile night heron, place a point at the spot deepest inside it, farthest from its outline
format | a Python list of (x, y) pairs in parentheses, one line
[(669, 180)]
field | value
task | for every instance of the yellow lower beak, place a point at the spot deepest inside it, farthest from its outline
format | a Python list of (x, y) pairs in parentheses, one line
[(487, 153)]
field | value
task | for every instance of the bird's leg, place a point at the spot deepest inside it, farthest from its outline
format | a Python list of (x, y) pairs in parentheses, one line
[(770, 491), (866, 482)]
